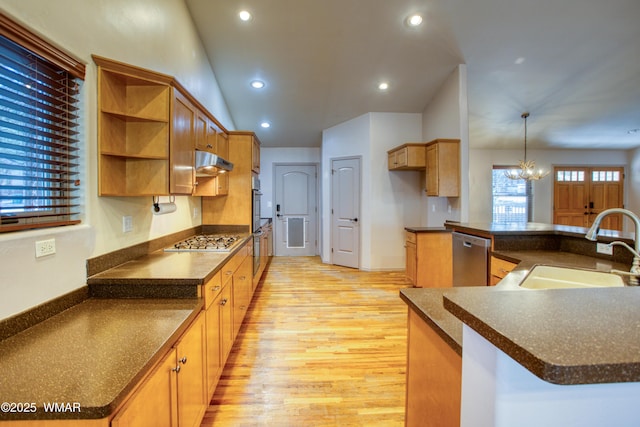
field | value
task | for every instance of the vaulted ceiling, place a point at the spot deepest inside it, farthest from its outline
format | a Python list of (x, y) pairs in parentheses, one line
[(573, 64)]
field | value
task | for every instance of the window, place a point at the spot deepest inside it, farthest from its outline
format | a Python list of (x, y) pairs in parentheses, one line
[(511, 198), (39, 135)]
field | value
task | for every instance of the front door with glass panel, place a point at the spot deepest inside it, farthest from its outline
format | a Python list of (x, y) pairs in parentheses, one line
[(581, 193)]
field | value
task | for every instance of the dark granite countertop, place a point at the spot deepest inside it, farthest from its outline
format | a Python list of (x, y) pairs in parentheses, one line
[(563, 336), (160, 274), (427, 303), (427, 229), (532, 228), (92, 354)]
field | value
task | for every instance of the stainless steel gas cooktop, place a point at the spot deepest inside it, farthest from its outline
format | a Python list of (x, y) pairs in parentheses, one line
[(206, 243)]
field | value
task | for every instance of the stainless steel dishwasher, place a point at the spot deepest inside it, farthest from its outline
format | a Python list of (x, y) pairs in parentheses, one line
[(470, 260)]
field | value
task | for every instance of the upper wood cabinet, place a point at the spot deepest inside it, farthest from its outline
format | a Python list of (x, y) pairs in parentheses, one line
[(182, 146), (222, 180), (409, 156), (255, 156), (149, 127), (235, 208), (133, 132), (215, 140), (443, 168)]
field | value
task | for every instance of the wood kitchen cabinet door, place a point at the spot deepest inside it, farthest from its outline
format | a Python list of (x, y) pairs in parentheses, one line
[(242, 292), (226, 321), (192, 389), (182, 147), (443, 168), (255, 156), (214, 344), (154, 404), (434, 378), (410, 156), (411, 258), (429, 259)]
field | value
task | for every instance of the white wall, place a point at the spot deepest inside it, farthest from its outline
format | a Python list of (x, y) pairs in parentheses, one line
[(446, 117), (481, 164), (154, 34), (388, 199)]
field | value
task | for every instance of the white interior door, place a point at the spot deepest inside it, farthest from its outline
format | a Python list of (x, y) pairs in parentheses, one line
[(295, 225), (345, 209)]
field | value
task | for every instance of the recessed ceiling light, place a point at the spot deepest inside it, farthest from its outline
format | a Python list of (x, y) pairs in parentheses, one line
[(519, 60), (257, 84), (414, 20), (245, 15), (265, 125), (383, 86), (633, 131)]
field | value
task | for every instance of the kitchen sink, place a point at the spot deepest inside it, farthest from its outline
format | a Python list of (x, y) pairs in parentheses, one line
[(549, 277)]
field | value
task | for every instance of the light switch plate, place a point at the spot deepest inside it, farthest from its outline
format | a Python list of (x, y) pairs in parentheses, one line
[(603, 248), (45, 247)]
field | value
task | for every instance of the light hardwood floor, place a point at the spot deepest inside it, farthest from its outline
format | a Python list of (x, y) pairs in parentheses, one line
[(321, 345)]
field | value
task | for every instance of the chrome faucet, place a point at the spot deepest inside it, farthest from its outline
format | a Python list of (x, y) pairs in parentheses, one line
[(593, 233)]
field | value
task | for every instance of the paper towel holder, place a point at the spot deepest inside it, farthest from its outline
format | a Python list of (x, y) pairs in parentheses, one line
[(160, 210)]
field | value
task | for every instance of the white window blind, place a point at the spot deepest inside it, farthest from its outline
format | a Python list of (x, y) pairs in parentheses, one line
[(39, 132)]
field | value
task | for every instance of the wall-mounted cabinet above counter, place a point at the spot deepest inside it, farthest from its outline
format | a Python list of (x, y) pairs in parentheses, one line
[(149, 129), (440, 159), (410, 156)]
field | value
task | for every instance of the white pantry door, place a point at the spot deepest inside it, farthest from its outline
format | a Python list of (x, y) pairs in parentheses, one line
[(296, 224), (345, 212)]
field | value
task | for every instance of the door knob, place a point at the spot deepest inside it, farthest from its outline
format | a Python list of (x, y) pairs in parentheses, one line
[(354, 220)]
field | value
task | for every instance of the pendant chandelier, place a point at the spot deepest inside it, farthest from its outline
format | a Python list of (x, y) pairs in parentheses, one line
[(527, 169)]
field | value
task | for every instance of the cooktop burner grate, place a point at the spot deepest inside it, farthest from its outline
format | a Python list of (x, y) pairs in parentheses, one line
[(206, 243)]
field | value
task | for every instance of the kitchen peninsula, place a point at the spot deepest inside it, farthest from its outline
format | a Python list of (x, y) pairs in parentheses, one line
[(543, 357)]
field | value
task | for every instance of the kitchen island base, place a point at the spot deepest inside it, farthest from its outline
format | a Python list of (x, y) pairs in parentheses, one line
[(497, 391)]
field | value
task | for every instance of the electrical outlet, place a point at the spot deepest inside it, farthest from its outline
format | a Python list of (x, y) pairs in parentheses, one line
[(127, 224), (196, 212), (45, 247), (603, 248)]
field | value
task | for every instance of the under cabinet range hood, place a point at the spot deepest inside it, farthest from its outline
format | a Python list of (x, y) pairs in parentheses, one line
[(209, 164)]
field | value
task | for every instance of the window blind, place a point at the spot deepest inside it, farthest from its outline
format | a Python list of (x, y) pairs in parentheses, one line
[(39, 140)]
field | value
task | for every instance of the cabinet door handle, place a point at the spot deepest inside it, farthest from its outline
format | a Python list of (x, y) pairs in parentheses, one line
[(176, 369), (223, 302), (228, 273), (183, 360), (215, 288)]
